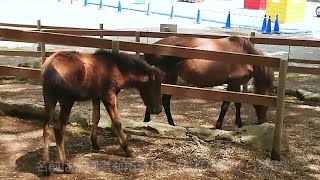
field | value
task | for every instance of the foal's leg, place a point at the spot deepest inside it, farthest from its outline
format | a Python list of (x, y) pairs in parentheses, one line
[(110, 103), (50, 105), (225, 106), (95, 121), (59, 128)]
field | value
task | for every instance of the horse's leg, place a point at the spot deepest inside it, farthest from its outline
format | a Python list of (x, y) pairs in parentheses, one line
[(223, 111), (224, 107), (170, 78), (59, 128), (110, 103), (50, 105), (166, 99), (147, 115), (95, 121), (238, 109)]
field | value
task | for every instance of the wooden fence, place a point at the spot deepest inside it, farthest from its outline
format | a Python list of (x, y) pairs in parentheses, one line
[(138, 34), (70, 37)]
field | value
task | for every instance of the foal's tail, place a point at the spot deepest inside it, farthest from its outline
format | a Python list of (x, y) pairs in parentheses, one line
[(263, 75)]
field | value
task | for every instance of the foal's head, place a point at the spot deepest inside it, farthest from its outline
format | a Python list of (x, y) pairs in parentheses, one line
[(150, 90), (138, 75)]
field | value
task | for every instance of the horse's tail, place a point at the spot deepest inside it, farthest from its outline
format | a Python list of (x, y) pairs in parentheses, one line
[(263, 75)]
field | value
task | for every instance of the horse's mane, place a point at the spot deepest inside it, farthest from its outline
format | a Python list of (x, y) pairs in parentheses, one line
[(263, 75), (245, 44), (125, 62)]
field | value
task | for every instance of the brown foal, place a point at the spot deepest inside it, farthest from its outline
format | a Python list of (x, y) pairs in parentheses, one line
[(72, 76)]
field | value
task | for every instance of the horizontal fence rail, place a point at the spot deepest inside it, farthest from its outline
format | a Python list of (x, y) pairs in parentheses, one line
[(203, 93), (219, 95), (43, 27), (72, 40), (129, 46), (96, 32), (27, 73), (23, 53)]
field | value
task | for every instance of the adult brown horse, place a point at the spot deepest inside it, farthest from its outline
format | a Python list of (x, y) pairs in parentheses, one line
[(71, 76), (206, 73)]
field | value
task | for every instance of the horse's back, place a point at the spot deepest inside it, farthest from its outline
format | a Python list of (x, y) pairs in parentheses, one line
[(204, 73)]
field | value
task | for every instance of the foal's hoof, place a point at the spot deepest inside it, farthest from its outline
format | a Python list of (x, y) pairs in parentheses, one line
[(66, 168), (129, 151), (47, 171), (218, 125), (95, 147)]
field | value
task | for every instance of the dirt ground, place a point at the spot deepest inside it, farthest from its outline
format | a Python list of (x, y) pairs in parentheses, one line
[(158, 157)]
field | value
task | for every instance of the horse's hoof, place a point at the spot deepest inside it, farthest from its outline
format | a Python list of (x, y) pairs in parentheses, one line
[(171, 123), (146, 120), (129, 151), (218, 125), (239, 125), (66, 168), (261, 122)]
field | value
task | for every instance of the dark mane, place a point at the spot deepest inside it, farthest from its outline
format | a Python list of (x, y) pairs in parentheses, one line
[(263, 75), (125, 62), (245, 44)]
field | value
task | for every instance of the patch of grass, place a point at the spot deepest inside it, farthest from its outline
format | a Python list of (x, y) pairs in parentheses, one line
[(11, 79), (298, 77), (4, 48), (77, 129), (34, 64)]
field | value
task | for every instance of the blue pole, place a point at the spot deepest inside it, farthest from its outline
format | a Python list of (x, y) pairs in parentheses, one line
[(228, 23), (172, 13), (198, 17), (148, 10), (119, 7), (100, 4)]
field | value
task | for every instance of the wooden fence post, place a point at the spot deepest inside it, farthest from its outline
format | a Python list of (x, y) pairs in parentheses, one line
[(101, 28), (276, 147), (39, 29), (43, 51), (137, 35), (115, 46)]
